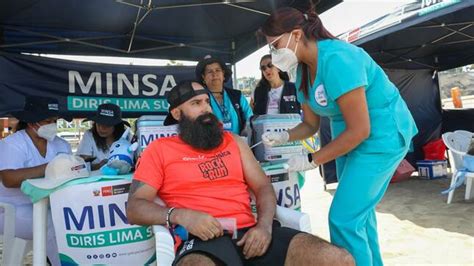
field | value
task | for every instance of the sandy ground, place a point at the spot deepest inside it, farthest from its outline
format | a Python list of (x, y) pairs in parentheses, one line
[(416, 226)]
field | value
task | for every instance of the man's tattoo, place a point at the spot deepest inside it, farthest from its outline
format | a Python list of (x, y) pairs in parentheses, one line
[(134, 187)]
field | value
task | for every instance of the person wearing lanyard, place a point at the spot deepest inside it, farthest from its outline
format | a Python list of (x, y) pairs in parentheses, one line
[(371, 125), (107, 128), (230, 106), (274, 94), (24, 155)]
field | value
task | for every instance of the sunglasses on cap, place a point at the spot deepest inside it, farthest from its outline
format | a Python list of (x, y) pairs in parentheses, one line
[(264, 67)]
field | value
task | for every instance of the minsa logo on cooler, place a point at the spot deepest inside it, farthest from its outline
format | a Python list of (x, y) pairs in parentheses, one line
[(106, 191)]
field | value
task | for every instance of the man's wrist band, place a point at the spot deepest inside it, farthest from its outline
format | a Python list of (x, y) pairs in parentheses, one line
[(168, 216)]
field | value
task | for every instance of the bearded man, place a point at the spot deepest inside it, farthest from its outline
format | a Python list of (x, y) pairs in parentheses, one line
[(204, 174)]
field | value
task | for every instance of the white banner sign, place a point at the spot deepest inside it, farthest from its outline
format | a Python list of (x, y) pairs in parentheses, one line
[(148, 134), (95, 230), (287, 190)]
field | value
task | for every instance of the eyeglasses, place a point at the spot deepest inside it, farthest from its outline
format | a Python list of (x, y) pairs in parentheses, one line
[(271, 46), (264, 67)]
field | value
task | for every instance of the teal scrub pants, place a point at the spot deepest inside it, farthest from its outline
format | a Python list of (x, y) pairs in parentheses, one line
[(363, 181)]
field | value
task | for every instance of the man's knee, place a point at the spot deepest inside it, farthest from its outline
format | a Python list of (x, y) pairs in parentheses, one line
[(197, 259), (305, 247)]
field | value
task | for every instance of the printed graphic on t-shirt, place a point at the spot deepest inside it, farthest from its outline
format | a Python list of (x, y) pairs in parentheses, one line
[(274, 96), (215, 167)]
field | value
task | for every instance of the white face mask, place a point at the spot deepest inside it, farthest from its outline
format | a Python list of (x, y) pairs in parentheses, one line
[(285, 59), (48, 131)]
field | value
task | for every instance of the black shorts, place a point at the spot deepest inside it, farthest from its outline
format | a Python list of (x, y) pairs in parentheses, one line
[(225, 248)]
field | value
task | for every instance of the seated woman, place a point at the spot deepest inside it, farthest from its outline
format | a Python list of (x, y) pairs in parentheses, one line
[(274, 94), (24, 155), (108, 127)]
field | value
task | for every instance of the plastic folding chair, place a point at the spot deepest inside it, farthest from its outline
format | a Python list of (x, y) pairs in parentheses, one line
[(464, 132), (14, 248), (458, 143)]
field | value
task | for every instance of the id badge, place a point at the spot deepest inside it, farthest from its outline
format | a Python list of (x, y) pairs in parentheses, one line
[(228, 126)]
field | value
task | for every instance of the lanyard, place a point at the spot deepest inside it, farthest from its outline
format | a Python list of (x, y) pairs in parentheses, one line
[(222, 108)]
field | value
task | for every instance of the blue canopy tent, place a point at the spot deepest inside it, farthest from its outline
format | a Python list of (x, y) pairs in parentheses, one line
[(412, 44), (163, 29)]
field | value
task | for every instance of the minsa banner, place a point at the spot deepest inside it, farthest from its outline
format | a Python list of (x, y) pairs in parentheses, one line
[(81, 87), (95, 230)]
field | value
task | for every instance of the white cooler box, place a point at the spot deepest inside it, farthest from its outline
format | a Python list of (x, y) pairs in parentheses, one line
[(278, 123), (285, 184), (150, 128)]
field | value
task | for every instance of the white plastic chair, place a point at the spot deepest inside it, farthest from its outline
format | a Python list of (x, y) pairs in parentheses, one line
[(165, 245), (464, 132), (14, 248), (457, 144)]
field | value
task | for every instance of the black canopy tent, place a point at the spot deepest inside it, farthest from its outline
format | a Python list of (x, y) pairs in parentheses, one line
[(163, 29), (416, 36), (166, 29), (412, 44)]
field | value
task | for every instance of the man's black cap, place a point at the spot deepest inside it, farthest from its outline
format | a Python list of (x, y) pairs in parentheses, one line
[(179, 94)]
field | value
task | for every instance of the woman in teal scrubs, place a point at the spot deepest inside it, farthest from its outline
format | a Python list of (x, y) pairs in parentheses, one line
[(371, 125)]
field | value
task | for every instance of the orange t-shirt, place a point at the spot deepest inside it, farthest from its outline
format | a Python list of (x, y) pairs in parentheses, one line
[(207, 181)]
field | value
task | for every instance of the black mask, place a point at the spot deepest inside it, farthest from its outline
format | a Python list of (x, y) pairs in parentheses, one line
[(204, 133)]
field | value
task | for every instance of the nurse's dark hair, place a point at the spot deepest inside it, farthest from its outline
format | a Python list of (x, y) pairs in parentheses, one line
[(21, 125), (101, 142), (286, 19)]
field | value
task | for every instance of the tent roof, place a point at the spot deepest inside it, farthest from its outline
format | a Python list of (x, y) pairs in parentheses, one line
[(167, 29), (439, 36)]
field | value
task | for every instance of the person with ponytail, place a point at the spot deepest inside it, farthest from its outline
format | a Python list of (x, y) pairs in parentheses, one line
[(274, 93), (371, 125)]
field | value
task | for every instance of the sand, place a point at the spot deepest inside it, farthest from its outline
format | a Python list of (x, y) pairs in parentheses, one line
[(416, 226)]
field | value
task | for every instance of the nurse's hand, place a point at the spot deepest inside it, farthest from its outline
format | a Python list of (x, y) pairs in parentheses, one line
[(299, 163), (275, 138)]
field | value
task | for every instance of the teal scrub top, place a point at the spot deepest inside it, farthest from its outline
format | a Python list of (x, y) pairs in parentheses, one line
[(343, 67)]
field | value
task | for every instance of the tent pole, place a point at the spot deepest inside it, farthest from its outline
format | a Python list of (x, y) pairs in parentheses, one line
[(236, 83), (67, 40), (249, 9), (135, 24), (60, 41), (234, 66)]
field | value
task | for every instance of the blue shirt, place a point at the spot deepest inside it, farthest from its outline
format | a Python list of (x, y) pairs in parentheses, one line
[(227, 113), (343, 67)]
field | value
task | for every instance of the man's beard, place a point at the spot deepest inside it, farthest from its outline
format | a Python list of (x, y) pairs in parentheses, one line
[(205, 132)]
